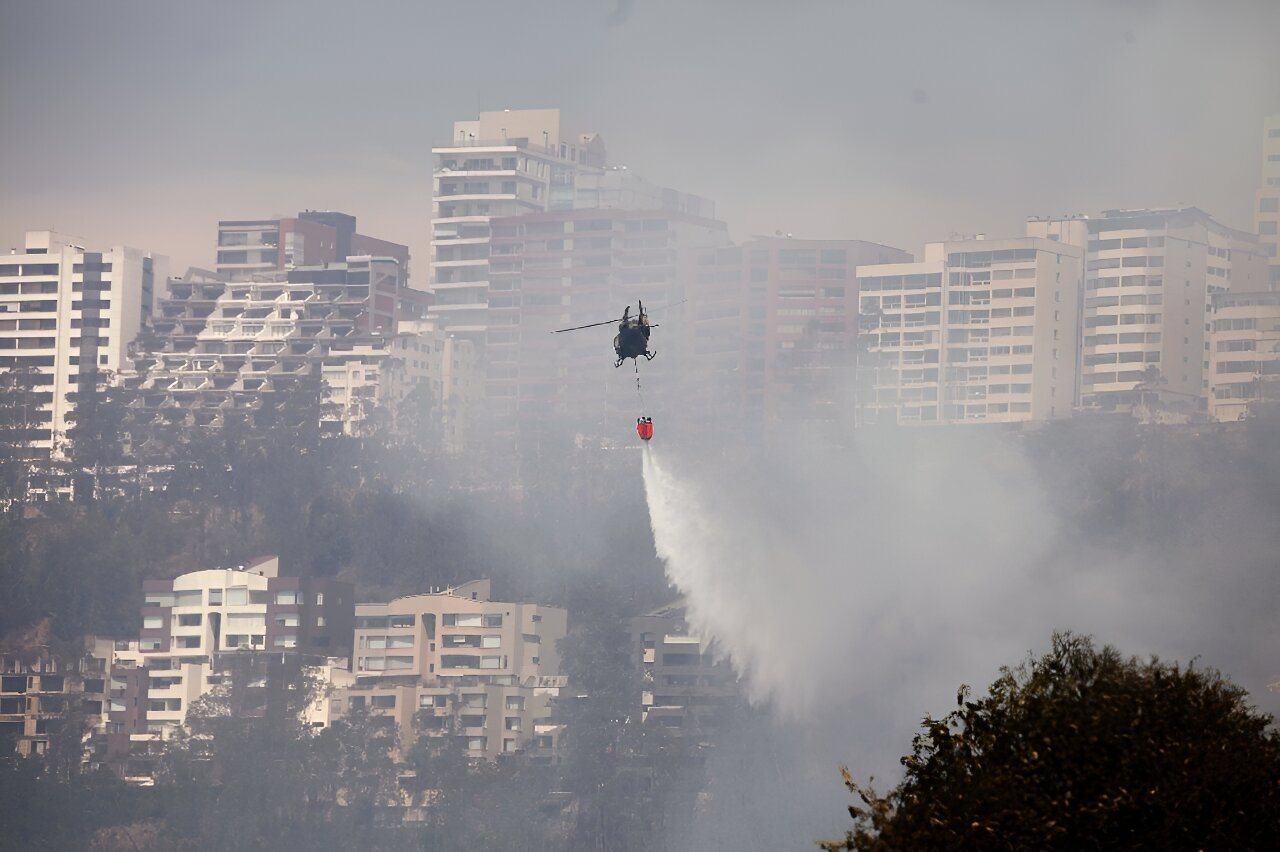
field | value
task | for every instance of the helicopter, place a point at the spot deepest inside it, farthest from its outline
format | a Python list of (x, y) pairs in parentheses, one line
[(632, 340)]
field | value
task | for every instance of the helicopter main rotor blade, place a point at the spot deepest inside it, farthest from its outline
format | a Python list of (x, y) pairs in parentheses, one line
[(589, 325)]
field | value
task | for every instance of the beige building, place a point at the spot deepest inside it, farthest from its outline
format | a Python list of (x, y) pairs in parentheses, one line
[(380, 373), (1244, 352), (979, 331), (65, 310), (1150, 276), (454, 663), (1267, 206)]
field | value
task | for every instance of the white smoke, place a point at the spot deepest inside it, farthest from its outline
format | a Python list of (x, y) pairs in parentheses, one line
[(856, 589), (823, 574)]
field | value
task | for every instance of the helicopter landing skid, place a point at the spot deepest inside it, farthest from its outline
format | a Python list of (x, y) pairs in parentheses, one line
[(649, 356)]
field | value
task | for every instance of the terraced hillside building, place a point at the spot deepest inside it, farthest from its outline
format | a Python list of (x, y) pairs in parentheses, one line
[(227, 351)]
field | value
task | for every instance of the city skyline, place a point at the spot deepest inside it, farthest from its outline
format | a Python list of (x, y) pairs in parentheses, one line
[(889, 151)]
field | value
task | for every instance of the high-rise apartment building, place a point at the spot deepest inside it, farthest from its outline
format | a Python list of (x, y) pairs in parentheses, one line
[(979, 331), (67, 313), (454, 663), (1149, 280), (770, 329), (253, 247), (505, 163), (1244, 352), (568, 268), (1267, 202)]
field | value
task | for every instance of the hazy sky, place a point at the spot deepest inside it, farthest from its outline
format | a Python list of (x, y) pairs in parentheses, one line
[(145, 122)]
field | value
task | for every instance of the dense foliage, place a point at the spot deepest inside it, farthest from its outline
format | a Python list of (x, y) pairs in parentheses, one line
[(1082, 748)]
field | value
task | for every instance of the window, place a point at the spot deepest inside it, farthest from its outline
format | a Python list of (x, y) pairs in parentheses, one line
[(494, 620), (402, 621), (491, 641), (152, 622), (286, 597), (319, 598), (215, 597)]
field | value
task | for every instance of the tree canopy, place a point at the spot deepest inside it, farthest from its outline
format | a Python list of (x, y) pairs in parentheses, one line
[(1084, 749)]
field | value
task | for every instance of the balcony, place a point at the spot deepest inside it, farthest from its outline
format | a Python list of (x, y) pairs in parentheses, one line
[(453, 264)]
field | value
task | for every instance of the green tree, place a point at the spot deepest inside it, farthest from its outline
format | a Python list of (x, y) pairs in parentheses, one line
[(20, 414), (1084, 749)]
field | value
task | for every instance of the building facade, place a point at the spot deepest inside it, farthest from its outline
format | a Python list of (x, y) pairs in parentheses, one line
[(793, 305), (685, 688), (194, 621), (1267, 201), (68, 316), (419, 379), (1149, 280), (220, 350), (1244, 353), (454, 663), (501, 164), (979, 331), (251, 247), (45, 694), (570, 268)]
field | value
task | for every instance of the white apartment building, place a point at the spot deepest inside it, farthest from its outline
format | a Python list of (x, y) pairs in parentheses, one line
[(503, 163), (979, 331), (1267, 203), (1150, 276), (1244, 352), (192, 622), (64, 308), (454, 663)]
